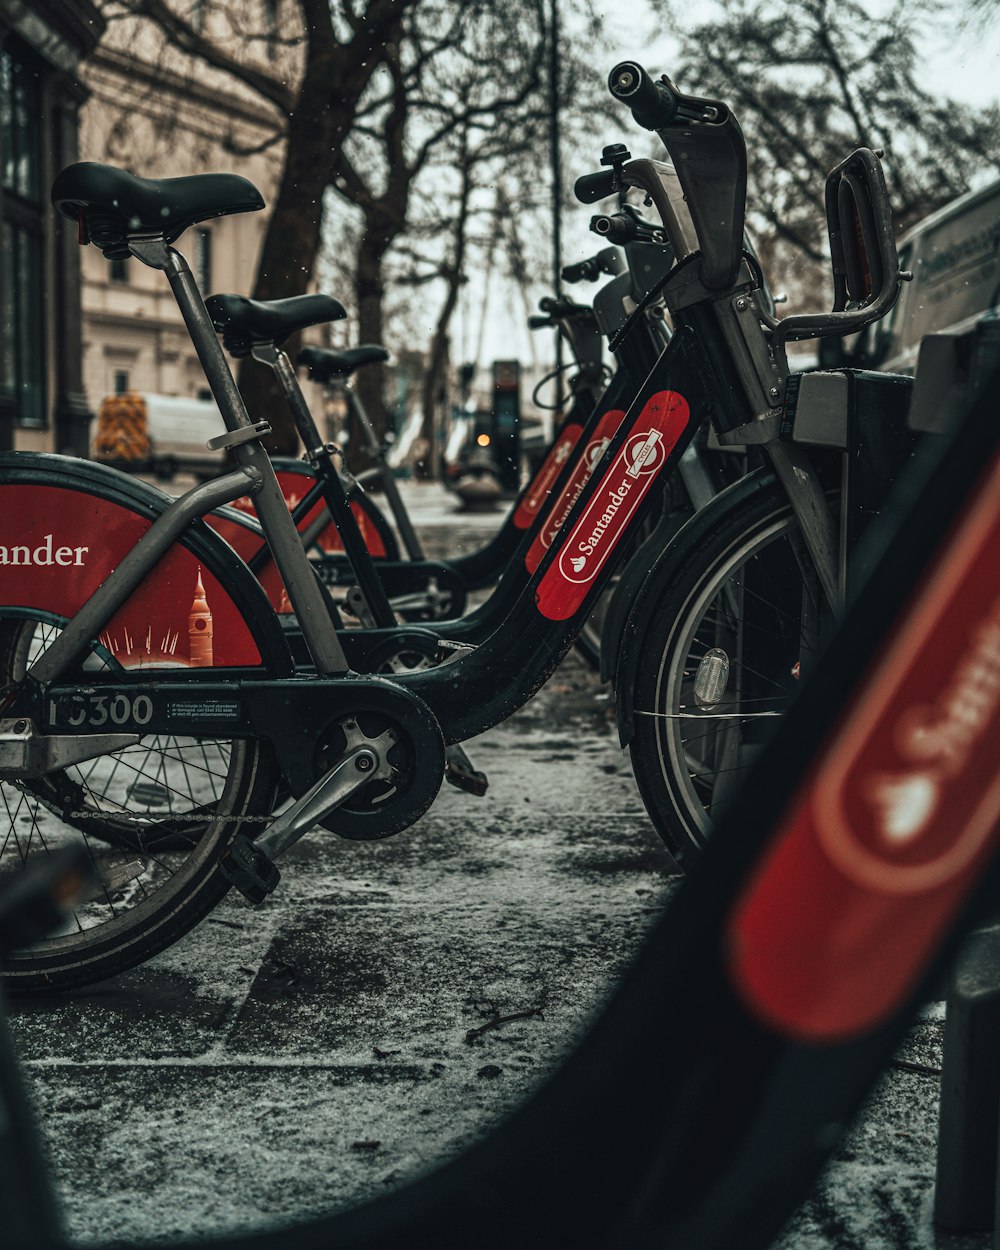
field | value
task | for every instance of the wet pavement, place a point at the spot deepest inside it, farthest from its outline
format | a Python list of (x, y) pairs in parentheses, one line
[(392, 1000)]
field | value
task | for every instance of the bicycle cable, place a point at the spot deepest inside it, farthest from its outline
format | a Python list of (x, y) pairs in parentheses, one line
[(657, 287), (554, 373), (647, 299)]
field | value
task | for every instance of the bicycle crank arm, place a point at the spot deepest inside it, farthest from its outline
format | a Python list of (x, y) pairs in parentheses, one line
[(24, 752), (250, 866)]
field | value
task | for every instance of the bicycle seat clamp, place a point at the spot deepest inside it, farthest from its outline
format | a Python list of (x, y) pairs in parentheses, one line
[(233, 438)]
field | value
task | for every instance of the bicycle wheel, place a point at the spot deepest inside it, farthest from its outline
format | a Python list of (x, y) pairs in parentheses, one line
[(155, 819), (719, 662)]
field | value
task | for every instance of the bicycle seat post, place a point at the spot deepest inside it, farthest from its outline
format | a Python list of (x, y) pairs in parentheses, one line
[(321, 457)]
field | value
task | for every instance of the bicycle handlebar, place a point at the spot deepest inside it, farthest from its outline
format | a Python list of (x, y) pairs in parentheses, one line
[(653, 104), (709, 156), (589, 188), (563, 308), (607, 261), (626, 226)]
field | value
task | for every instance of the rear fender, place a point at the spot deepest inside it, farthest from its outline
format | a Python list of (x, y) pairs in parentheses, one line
[(65, 524)]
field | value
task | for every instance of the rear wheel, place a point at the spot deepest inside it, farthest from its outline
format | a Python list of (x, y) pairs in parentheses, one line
[(155, 819), (720, 661)]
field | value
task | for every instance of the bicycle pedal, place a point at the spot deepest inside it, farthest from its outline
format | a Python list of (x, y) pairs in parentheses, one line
[(249, 870), (459, 772)]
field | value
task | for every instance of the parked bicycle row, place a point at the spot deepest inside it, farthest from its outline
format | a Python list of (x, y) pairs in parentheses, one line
[(201, 682)]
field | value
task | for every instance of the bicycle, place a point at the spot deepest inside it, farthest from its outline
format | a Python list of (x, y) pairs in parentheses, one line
[(735, 608), (362, 756), (527, 531)]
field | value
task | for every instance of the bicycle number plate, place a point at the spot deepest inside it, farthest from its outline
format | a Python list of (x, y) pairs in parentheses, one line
[(147, 710), (100, 711)]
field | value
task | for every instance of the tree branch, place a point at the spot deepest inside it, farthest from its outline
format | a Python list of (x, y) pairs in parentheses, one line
[(190, 41)]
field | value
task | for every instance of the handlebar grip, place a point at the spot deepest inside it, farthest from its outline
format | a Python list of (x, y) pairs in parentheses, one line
[(615, 227), (540, 323), (592, 187), (563, 308), (608, 261), (653, 104), (581, 271)]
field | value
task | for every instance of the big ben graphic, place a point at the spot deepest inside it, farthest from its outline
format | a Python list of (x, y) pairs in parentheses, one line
[(200, 628)]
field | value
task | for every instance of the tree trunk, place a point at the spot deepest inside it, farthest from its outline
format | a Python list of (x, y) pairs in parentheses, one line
[(324, 113), (434, 376), (370, 293), (291, 242)]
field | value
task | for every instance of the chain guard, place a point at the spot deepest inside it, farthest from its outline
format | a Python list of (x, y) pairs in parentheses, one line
[(408, 651), (402, 731)]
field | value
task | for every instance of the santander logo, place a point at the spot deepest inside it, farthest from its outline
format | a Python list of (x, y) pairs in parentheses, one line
[(623, 484), (903, 805), (940, 738), (642, 455), (882, 818), (890, 831), (538, 492), (45, 553)]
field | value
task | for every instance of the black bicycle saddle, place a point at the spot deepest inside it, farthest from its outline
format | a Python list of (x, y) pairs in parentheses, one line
[(110, 204), (243, 322), (324, 365)]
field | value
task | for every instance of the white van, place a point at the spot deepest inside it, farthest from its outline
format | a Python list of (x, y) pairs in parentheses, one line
[(954, 256), (158, 434)]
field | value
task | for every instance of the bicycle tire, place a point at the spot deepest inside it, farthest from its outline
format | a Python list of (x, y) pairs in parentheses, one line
[(751, 554)]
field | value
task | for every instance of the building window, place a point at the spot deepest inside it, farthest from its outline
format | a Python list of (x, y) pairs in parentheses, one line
[(20, 121), (22, 307), (203, 260), (118, 269), (121, 381)]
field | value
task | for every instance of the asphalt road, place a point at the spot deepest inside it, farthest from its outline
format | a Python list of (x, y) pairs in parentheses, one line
[(393, 1000)]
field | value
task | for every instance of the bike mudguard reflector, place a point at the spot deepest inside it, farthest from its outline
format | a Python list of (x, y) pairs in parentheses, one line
[(58, 545), (538, 492), (905, 809), (583, 470), (647, 447)]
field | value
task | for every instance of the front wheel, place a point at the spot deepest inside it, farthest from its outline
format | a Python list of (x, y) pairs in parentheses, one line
[(720, 660)]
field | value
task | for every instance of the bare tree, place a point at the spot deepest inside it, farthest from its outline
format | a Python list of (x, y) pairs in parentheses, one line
[(455, 68), (812, 79), (341, 44), (368, 97)]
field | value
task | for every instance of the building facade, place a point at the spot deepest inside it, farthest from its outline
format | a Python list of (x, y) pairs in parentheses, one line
[(42, 400), (161, 115)]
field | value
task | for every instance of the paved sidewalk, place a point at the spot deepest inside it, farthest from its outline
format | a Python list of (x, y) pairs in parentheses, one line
[(285, 1061)]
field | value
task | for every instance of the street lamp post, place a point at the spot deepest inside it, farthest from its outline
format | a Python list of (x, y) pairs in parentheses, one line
[(554, 159)]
